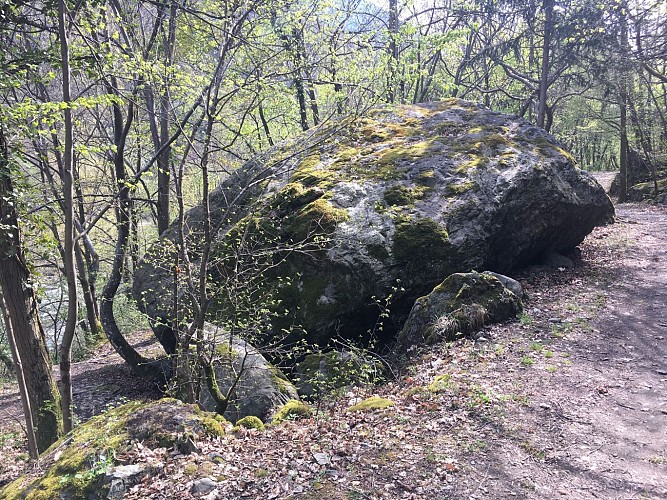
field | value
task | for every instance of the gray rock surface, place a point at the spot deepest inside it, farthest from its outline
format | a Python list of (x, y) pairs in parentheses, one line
[(203, 486), (460, 305), (386, 205), (510, 283), (120, 479), (260, 388), (321, 372), (556, 260)]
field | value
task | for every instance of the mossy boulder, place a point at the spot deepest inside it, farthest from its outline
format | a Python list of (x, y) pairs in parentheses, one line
[(258, 386), (640, 176), (372, 403), (317, 231), (460, 305), (250, 422), (84, 465), (292, 410), (322, 372), (646, 191)]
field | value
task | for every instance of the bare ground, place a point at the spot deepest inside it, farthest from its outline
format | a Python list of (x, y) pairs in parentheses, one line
[(568, 402)]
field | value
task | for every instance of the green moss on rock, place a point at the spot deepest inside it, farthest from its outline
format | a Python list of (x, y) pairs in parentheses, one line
[(292, 410), (399, 151), (398, 196), (422, 239), (311, 173), (372, 403), (214, 424), (441, 383), (75, 466), (295, 195), (250, 422), (280, 380), (461, 187), (316, 218), (461, 304)]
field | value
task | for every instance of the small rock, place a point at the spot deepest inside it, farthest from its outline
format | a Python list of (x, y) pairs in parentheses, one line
[(120, 479), (203, 486), (556, 260), (188, 446), (322, 458), (554, 320)]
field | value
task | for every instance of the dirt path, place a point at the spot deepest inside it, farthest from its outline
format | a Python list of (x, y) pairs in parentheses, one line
[(598, 428)]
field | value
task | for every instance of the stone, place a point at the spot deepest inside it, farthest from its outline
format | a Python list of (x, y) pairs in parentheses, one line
[(460, 305), (120, 479), (386, 205), (68, 472), (260, 389), (645, 191), (510, 283), (638, 172), (320, 372), (203, 486), (322, 458), (556, 260)]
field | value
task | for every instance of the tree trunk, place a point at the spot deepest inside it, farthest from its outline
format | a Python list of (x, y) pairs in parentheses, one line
[(138, 363), (393, 51), (623, 105), (68, 254), (548, 7), (21, 309), (33, 452)]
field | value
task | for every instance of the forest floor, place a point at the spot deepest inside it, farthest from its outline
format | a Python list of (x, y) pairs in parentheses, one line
[(569, 401)]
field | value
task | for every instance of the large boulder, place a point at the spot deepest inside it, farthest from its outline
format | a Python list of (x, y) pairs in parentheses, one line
[(257, 387), (640, 179), (645, 191), (382, 207)]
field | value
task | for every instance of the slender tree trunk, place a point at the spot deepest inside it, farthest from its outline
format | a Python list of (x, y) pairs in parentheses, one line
[(265, 124), (121, 129), (89, 300), (623, 105), (548, 6), (393, 51), (20, 306), (33, 452), (164, 161), (87, 264), (301, 99), (68, 205)]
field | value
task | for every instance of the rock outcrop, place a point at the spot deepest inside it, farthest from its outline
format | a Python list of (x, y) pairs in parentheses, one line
[(383, 206), (84, 464)]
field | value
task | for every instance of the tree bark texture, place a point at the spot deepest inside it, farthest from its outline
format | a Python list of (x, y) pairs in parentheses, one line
[(68, 206), (21, 309)]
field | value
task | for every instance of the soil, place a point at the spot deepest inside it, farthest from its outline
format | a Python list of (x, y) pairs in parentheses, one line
[(569, 401)]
